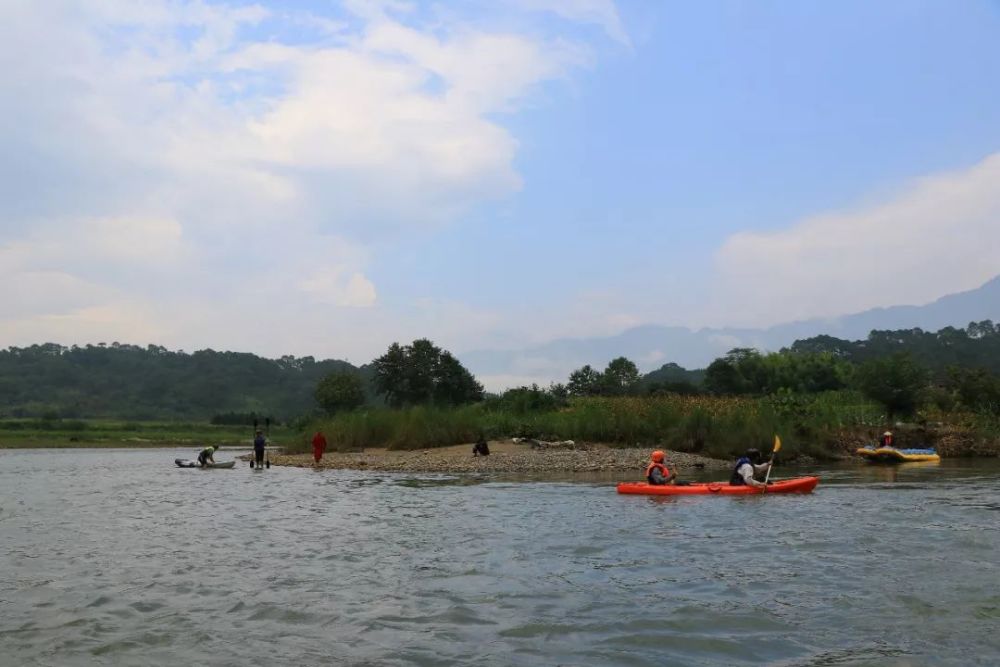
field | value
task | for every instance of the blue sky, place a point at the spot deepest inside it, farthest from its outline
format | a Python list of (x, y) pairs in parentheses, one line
[(327, 177)]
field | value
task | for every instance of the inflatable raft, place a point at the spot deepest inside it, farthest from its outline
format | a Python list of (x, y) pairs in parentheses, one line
[(893, 455), (795, 485), (186, 463)]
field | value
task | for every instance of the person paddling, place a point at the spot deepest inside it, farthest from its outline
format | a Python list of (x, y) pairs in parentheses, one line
[(746, 467), (206, 456), (259, 442), (657, 473)]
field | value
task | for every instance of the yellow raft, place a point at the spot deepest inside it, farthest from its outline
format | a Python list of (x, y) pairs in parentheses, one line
[(893, 455)]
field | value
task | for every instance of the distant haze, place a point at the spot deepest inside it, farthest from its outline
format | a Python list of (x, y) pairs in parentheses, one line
[(652, 346)]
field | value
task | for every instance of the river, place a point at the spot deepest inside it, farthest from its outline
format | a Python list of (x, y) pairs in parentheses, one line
[(116, 557)]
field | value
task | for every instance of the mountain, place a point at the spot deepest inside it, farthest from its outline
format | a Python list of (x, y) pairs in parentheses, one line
[(651, 346)]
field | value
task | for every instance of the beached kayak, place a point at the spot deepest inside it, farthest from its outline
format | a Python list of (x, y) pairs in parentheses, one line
[(795, 485), (893, 455), (187, 463)]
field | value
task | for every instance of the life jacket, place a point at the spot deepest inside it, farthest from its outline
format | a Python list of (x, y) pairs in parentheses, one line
[(887, 440), (653, 466), (259, 442), (736, 479)]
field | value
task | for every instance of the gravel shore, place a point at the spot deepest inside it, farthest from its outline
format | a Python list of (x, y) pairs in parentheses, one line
[(505, 457)]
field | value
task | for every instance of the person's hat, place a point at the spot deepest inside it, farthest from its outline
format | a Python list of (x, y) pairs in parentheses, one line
[(887, 433), (657, 456), (753, 453)]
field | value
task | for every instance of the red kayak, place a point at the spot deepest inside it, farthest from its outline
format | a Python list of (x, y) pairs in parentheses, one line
[(795, 485)]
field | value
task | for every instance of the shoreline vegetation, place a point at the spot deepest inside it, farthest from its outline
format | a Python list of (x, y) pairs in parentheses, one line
[(608, 434), (106, 433), (825, 426), (824, 396)]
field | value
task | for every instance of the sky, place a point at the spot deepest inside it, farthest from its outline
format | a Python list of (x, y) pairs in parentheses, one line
[(325, 178)]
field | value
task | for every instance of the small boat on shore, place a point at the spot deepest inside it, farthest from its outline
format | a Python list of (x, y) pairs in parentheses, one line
[(794, 485), (187, 463), (893, 455)]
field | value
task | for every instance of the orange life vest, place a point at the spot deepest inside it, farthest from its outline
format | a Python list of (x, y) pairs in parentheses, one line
[(663, 470)]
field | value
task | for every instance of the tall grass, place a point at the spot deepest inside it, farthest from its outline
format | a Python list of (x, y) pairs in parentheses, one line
[(711, 425)]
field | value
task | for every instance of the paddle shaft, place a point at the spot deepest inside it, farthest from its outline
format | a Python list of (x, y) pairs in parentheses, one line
[(777, 446)]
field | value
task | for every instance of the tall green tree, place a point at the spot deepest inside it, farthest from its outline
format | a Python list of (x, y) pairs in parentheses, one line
[(389, 376), (585, 381), (338, 392), (422, 373), (620, 377), (896, 382)]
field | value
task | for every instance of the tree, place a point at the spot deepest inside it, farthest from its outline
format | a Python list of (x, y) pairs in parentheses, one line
[(453, 384), (584, 382), (896, 382), (340, 391), (620, 377), (390, 376), (422, 373), (741, 371)]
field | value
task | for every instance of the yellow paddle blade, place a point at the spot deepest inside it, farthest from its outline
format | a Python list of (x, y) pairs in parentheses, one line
[(777, 443)]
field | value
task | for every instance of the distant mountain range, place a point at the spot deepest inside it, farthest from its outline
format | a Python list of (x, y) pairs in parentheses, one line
[(651, 346)]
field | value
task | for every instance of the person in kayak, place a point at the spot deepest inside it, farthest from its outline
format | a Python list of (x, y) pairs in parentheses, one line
[(886, 440), (746, 467), (259, 442), (657, 473), (206, 456)]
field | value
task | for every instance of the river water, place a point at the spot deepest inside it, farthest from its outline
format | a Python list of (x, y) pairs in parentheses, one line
[(119, 558)]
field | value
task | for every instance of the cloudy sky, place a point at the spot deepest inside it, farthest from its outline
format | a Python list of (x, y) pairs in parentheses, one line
[(323, 178)]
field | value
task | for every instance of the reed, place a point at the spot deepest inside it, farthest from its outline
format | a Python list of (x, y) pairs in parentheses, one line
[(715, 426)]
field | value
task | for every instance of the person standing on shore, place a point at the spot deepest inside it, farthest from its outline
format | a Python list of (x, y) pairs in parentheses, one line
[(319, 445), (657, 473), (259, 443)]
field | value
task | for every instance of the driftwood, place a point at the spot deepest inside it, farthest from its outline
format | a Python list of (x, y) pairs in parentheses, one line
[(547, 444)]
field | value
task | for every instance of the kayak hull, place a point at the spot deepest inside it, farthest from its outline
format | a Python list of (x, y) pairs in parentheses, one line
[(893, 455), (187, 463), (795, 485)]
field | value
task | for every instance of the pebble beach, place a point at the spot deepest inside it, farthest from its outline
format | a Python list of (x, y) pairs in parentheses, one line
[(505, 457)]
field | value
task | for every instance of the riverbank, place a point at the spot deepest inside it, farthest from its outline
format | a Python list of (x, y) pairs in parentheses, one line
[(505, 456), (108, 433)]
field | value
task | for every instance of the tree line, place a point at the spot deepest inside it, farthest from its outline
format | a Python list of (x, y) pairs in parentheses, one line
[(901, 369)]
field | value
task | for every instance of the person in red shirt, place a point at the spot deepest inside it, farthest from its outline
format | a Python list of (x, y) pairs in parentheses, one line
[(319, 445)]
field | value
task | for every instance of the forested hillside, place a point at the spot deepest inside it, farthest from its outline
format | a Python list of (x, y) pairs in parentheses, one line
[(131, 382), (977, 346)]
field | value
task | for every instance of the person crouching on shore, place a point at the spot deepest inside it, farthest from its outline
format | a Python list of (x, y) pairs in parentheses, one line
[(657, 473)]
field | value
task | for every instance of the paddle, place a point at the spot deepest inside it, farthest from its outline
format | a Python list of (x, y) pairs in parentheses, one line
[(777, 446)]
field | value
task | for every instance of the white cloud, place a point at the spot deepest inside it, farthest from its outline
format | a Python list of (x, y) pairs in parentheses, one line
[(174, 167), (599, 12), (936, 237), (331, 286)]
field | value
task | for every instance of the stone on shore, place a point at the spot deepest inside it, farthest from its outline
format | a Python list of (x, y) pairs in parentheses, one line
[(505, 457)]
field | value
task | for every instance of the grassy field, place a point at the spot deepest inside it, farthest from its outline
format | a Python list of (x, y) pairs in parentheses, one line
[(42, 433), (820, 425)]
